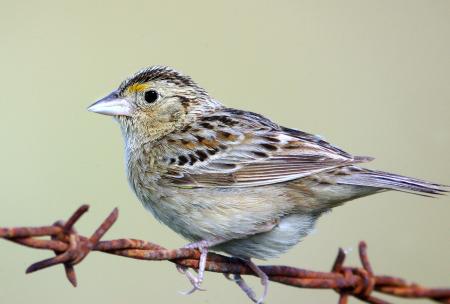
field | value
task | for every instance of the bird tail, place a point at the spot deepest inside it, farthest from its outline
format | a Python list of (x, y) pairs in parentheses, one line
[(384, 180)]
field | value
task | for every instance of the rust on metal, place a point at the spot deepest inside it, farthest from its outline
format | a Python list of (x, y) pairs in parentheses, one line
[(70, 248)]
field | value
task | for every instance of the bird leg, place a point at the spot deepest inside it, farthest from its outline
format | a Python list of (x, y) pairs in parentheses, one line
[(202, 246), (192, 279), (264, 280), (242, 285)]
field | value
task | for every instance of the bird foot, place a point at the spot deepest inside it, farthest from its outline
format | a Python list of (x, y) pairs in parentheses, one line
[(243, 286), (247, 289), (196, 281)]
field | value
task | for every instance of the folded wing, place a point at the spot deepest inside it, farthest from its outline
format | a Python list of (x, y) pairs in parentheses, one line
[(234, 148)]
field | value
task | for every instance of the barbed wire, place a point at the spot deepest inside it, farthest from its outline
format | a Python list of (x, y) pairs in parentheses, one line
[(70, 248)]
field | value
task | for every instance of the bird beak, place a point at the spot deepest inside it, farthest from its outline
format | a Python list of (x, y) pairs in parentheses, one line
[(111, 105)]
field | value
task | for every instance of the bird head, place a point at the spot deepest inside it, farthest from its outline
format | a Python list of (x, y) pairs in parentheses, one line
[(154, 102)]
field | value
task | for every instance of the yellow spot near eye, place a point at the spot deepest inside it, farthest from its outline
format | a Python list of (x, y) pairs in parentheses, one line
[(138, 87)]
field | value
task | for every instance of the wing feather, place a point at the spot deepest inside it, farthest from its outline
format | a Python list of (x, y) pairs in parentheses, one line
[(244, 149)]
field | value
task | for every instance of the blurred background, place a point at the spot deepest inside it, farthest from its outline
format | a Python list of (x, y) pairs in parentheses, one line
[(370, 76)]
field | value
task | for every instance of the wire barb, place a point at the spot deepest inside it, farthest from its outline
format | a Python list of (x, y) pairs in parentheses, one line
[(70, 248)]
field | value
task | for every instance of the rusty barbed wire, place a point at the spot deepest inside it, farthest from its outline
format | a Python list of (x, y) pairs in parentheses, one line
[(70, 248)]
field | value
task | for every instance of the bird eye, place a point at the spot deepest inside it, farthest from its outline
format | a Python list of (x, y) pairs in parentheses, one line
[(151, 96)]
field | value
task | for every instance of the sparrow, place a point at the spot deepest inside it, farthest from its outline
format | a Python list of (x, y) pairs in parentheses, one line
[(231, 180)]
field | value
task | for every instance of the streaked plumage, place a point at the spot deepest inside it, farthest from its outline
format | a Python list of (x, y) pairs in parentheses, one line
[(235, 178)]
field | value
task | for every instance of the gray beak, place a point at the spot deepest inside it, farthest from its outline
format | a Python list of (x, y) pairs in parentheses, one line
[(111, 105)]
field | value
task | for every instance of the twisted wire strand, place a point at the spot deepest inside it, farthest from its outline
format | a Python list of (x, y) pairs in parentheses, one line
[(70, 248)]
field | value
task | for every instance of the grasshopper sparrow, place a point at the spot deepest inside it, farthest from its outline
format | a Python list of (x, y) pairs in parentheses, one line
[(232, 180)]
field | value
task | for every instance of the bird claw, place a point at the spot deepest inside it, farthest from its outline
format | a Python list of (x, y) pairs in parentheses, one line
[(264, 280), (246, 288), (191, 291), (236, 278), (194, 280)]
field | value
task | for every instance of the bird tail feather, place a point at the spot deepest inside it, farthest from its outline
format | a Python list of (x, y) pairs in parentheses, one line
[(384, 180)]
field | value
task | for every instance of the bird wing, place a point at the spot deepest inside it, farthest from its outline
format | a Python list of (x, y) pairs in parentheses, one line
[(233, 148)]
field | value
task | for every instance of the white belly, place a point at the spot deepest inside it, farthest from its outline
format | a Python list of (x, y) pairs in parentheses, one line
[(286, 234)]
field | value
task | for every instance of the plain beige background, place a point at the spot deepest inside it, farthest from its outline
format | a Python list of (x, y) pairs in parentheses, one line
[(370, 76)]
